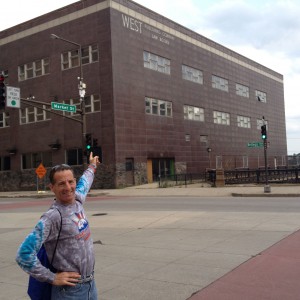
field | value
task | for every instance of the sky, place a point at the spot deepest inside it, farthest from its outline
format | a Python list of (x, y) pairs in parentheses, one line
[(266, 31)]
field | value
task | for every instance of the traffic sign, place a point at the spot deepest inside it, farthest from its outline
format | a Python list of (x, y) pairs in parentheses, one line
[(40, 171), (63, 107), (13, 97), (255, 144)]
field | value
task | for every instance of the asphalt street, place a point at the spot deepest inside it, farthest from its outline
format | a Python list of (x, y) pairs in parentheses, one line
[(172, 244)]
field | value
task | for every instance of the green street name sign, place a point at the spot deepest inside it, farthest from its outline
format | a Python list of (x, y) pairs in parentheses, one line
[(63, 107), (255, 144)]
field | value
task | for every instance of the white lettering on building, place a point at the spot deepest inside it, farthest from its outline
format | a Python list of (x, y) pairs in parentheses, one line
[(132, 24), (155, 33)]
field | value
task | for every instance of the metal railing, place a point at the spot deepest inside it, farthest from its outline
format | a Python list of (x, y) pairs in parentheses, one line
[(244, 176)]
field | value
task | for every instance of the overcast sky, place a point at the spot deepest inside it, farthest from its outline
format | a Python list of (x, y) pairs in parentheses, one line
[(267, 31)]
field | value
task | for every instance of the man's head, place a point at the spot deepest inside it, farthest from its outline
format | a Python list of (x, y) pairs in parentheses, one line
[(63, 183)]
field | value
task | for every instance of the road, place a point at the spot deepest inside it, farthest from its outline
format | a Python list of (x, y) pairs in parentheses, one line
[(155, 248), (124, 203)]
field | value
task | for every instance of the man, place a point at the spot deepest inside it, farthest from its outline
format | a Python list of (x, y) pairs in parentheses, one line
[(74, 255)]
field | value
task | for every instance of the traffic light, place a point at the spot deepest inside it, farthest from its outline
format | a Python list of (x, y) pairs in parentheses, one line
[(2, 92), (264, 132), (95, 143), (88, 143)]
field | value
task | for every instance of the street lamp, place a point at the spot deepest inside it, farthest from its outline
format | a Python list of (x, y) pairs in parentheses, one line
[(81, 89)]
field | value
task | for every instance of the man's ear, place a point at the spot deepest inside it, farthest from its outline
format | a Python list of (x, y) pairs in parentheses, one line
[(50, 186)]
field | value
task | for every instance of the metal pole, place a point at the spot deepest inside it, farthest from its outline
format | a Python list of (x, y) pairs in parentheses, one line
[(267, 188), (81, 89)]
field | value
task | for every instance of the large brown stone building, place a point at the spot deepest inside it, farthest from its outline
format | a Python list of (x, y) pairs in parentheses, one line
[(160, 98)]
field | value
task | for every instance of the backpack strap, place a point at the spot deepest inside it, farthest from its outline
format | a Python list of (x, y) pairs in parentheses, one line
[(57, 236)]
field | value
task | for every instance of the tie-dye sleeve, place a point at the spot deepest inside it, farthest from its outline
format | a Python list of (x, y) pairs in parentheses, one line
[(85, 182), (27, 253)]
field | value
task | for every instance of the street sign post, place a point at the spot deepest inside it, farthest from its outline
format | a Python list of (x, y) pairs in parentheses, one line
[(63, 107), (255, 144), (13, 97)]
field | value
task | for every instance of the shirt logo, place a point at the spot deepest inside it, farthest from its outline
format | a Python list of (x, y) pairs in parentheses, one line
[(83, 225)]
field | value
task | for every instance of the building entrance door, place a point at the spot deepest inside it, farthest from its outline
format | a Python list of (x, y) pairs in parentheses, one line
[(162, 167)]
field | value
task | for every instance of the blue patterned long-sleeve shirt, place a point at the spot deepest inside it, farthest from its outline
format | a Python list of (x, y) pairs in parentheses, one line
[(74, 252)]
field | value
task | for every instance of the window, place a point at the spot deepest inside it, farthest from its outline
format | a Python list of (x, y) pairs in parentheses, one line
[(32, 160), (191, 74), (92, 103), (156, 63), (221, 118), (193, 113), (129, 164), (158, 107), (245, 162), (242, 90), (33, 69), (204, 139), (70, 59), (187, 137), (261, 96), (260, 122), (4, 163), (243, 122), (219, 83), (33, 114), (4, 119), (74, 157)]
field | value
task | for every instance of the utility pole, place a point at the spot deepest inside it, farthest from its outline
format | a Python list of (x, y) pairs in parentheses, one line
[(81, 90), (264, 136)]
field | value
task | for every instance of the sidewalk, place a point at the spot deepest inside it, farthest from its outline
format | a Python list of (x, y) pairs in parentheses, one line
[(193, 190), (272, 274)]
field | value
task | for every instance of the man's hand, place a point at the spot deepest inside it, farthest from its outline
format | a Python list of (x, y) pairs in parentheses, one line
[(66, 278), (94, 159)]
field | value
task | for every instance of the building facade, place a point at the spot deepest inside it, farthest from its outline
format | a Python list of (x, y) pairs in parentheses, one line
[(160, 99)]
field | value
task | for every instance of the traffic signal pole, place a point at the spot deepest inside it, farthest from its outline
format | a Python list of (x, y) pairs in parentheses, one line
[(81, 89), (264, 136)]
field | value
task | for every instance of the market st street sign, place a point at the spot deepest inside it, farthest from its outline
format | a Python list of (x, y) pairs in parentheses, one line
[(63, 107)]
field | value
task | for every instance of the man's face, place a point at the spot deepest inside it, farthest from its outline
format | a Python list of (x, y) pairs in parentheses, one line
[(64, 186)]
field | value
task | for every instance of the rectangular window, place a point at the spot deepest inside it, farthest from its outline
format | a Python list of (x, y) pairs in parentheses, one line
[(74, 157), (221, 118), (92, 103), (219, 83), (156, 63), (4, 163), (243, 122), (242, 90), (70, 59), (204, 139), (245, 162), (261, 96), (32, 160), (158, 107), (33, 69), (191, 74), (193, 113), (33, 114), (21, 73), (260, 122), (4, 119)]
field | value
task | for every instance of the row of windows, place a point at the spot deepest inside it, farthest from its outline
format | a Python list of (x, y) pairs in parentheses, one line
[(164, 108), (163, 65), (32, 160), (34, 114), (69, 59)]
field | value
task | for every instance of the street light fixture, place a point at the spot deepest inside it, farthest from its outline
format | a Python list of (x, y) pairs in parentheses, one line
[(81, 89)]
